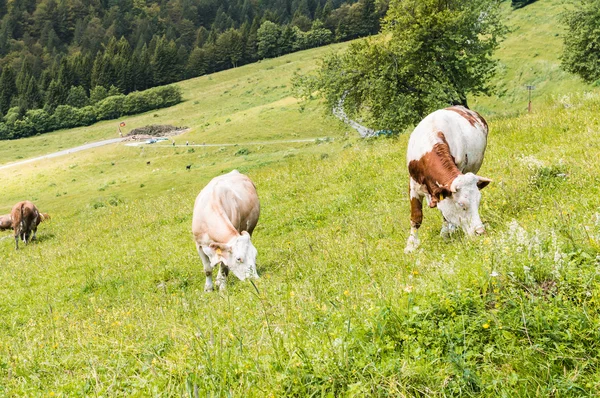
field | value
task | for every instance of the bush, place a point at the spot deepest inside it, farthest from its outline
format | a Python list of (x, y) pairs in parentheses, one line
[(4, 132), (87, 115), (170, 95), (110, 107), (40, 119), (37, 121), (22, 128)]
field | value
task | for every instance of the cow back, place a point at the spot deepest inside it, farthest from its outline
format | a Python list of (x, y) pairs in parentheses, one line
[(463, 130), (227, 206)]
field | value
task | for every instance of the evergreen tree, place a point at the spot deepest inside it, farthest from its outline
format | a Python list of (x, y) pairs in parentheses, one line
[(33, 98), (165, 64), (8, 89), (55, 95)]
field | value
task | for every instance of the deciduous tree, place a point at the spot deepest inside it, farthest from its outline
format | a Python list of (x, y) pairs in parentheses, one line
[(581, 54), (432, 53)]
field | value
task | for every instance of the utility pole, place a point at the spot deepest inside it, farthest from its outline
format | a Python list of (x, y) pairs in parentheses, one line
[(529, 89)]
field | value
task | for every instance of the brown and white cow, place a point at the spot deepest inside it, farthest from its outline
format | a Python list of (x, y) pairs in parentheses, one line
[(25, 219), (5, 222), (444, 151), (225, 214)]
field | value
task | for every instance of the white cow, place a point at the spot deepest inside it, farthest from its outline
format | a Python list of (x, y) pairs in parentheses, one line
[(444, 152), (225, 214)]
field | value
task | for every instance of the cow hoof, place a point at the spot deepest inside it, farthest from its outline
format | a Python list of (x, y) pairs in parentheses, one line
[(411, 245)]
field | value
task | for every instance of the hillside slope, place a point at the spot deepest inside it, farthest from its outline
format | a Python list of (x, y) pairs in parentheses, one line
[(530, 56), (109, 301)]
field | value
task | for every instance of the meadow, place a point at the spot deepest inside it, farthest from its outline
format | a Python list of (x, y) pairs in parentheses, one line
[(109, 301)]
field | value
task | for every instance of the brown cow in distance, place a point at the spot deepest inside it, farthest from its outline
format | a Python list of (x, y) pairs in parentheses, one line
[(5, 222), (25, 217)]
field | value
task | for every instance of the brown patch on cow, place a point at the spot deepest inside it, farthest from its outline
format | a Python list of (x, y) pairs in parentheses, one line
[(416, 212), (435, 170), (472, 117)]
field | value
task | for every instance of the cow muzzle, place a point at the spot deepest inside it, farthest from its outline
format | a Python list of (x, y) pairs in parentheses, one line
[(480, 230)]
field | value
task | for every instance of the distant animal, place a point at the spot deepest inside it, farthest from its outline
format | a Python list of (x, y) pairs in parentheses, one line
[(148, 163), (5, 222), (43, 217), (188, 167), (25, 221), (225, 214), (444, 151)]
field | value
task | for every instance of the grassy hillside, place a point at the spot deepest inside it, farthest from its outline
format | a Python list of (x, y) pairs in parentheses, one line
[(109, 301), (530, 56)]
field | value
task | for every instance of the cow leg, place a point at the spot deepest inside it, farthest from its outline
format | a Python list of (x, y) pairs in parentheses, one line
[(222, 277), (208, 285), (416, 217)]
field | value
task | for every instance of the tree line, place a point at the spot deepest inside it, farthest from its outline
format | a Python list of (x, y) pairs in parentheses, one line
[(72, 52), (107, 105)]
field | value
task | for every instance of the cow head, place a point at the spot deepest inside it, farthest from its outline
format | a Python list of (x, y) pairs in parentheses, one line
[(461, 208), (239, 255)]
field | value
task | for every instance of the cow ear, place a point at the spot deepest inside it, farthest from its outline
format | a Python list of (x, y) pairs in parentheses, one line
[(482, 182), (220, 247)]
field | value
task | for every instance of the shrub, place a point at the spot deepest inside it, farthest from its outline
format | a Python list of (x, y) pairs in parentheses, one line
[(4, 132), (170, 95), (40, 119), (87, 115), (110, 107), (65, 116), (22, 128), (37, 121)]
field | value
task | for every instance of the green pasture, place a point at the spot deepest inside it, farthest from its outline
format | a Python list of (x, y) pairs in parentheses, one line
[(109, 300)]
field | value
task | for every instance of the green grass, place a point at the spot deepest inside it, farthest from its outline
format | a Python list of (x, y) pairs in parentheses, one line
[(110, 302)]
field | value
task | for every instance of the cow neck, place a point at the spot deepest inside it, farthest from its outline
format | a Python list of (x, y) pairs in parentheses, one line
[(226, 230), (436, 170)]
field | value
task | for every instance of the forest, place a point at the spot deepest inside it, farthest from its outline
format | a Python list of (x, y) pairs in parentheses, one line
[(78, 52)]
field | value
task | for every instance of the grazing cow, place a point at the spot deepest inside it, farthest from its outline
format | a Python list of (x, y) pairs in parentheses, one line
[(444, 152), (25, 218), (225, 214), (188, 167), (5, 222)]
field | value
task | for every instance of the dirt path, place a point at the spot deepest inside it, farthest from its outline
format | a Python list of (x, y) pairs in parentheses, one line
[(63, 152), (117, 140), (236, 144)]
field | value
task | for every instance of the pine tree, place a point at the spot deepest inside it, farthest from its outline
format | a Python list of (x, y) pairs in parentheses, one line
[(55, 95), (164, 62), (8, 89), (33, 97)]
